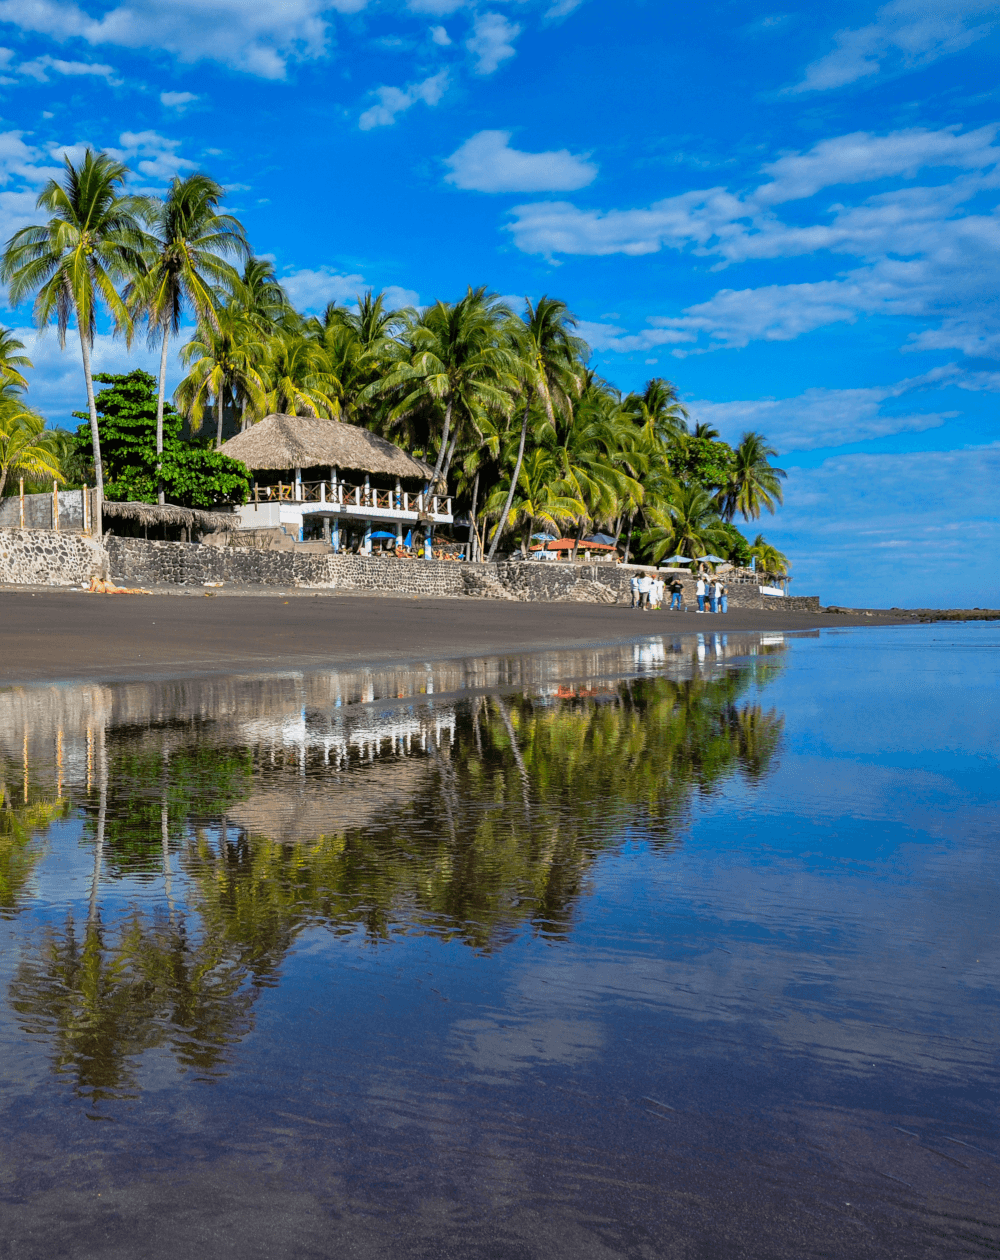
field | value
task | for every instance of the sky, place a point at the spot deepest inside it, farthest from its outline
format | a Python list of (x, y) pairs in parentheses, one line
[(790, 212)]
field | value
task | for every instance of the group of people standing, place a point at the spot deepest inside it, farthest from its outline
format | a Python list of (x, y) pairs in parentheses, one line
[(648, 591)]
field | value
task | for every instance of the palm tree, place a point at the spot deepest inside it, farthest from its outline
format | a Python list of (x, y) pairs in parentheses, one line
[(11, 361), (549, 359), (92, 242), (541, 497), (25, 448), (693, 529), (769, 559), (185, 265), (659, 407), (224, 356), (754, 483), (705, 431), (462, 357), (258, 295), (298, 376)]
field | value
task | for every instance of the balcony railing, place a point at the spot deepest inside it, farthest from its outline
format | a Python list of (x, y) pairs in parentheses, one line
[(343, 495)]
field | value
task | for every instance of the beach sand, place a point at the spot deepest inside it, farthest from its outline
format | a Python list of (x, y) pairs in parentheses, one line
[(51, 635)]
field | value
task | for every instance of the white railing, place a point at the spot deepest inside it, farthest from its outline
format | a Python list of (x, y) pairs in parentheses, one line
[(367, 498)]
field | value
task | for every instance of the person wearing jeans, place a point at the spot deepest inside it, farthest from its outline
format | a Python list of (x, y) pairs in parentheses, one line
[(700, 592), (724, 599), (675, 595)]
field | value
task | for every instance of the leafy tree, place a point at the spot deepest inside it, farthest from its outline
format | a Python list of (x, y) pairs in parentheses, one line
[(184, 264), (735, 548), (702, 462), (193, 473), (769, 559), (93, 241)]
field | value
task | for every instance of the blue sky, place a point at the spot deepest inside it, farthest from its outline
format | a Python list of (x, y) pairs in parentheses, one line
[(789, 211)]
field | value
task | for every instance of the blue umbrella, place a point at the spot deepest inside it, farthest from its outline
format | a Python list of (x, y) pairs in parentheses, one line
[(381, 533), (712, 559), (408, 540), (677, 560), (544, 537), (601, 538)]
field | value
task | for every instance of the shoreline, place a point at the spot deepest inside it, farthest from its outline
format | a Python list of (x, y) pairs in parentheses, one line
[(62, 636)]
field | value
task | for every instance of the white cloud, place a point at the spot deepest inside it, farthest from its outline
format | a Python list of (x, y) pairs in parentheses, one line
[(393, 101), (41, 67), (859, 529), (311, 290), (922, 253), (491, 41), (177, 100), (257, 38), (440, 36), (906, 34), (157, 154), (826, 417), (487, 163), (863, 157), (562, 7)]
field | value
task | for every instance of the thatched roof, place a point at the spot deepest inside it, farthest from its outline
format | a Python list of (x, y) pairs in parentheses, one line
[(279, 442), (168, 514)]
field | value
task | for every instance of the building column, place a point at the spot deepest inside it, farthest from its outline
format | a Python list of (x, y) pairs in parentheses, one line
[(298, 485), (326, 530), (368, 536)]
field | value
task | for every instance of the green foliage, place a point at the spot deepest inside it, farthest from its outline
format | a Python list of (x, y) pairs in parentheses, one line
[(702, 461), (194, 475), (736, 549)]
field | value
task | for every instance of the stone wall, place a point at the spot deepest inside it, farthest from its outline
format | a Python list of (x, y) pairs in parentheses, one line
[(41, 557), (44, 557)]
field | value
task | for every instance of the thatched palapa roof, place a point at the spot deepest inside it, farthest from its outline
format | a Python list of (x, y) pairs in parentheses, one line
[(279, 442), (168, 514)]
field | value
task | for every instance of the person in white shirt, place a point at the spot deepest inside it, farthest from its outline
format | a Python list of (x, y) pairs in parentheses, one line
[(644, 587), (716, 596), (634, 587), (661, 587), (699, 590)]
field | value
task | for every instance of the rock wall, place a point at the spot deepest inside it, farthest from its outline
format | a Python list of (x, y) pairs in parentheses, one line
[(43, 557), (40, 557)]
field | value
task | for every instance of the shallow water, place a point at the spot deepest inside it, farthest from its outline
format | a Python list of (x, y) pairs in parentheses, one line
[(686, 949)]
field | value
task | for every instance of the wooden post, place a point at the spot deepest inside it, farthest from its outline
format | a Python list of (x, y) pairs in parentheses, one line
[(22, 503), (86, 515), (55, 506), (256, 492)]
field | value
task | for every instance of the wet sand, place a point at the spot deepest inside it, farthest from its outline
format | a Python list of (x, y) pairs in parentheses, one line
[(54, 635)]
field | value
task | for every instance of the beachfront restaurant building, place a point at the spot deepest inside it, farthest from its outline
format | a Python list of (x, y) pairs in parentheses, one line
[(314, 476)]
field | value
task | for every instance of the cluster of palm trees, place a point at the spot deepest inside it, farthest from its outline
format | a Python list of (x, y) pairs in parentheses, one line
[(500, 402)]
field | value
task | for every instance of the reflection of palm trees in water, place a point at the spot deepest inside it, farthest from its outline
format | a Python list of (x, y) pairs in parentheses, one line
[(499, 827)]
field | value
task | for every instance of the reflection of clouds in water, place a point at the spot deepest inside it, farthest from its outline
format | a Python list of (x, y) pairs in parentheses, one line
[(499, 1049)]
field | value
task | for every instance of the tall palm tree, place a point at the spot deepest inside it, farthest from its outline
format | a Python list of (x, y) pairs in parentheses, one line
[(25, 448), (693, 529), (258, 294), (541, 497), (298, 376), (224, 355), (92, 242), (659, 407), (754, 482), (462, 360), (186, 264), (705, 431), (11, 361), (550, 357)]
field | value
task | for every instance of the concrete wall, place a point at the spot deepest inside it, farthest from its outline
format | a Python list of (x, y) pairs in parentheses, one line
[(40, 557), (38, 511)]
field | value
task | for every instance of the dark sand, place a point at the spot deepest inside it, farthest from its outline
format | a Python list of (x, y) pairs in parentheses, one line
[(53, 635)]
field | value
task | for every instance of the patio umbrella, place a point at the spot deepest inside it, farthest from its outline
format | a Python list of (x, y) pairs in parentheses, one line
[(677, 560), (381, 533), (544, 538), (408, 540), (601, 538), (713, 559)]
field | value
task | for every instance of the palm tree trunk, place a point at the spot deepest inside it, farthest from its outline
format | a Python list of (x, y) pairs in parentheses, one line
[(576, 540), (95, 435), (474, 531), (628, 541), (159, 418), (444, 442), (513, 484), (450, 456), (218, 422)]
